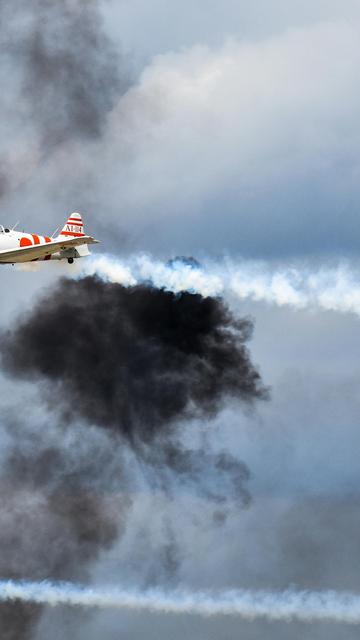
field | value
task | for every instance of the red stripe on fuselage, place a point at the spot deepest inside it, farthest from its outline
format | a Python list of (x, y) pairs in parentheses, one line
[(71, 234), (25, 242)]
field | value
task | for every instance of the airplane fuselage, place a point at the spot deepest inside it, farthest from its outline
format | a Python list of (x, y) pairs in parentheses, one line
[(71, 243), (12, 239)]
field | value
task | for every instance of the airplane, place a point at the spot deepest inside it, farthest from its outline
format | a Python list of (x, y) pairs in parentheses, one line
[(69, 244)]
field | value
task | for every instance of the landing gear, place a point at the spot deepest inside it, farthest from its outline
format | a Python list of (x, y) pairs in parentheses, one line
[(70, 260)]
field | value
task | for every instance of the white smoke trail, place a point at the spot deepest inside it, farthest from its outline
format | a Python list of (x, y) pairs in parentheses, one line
[(305, 606), (334, 288)]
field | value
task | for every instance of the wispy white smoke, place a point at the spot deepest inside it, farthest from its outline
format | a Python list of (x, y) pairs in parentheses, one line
[(306, 606), (334, 288)]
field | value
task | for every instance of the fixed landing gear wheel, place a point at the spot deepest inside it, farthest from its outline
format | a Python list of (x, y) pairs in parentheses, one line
[(70, 260)]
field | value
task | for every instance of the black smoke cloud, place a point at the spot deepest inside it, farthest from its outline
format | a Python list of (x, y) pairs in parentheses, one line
[(131, 365), (57, 513), (66, 75), (71, 71), (135, 359)]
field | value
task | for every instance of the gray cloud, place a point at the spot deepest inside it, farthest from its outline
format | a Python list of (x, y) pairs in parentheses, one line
[(248, 145), (150, 29)]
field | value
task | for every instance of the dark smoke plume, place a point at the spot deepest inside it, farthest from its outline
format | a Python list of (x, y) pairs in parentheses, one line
[(71, 71), (136, 361), (218, 477), (133, 359), (66, 75), (57, 515)]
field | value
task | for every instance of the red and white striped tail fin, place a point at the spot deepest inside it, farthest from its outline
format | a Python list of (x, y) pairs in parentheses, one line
[(74, 226)]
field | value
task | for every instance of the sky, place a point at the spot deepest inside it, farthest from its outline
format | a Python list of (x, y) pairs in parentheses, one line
[(227, 131)]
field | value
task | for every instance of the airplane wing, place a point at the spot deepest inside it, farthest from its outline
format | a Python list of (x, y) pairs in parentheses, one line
[(42, 250)]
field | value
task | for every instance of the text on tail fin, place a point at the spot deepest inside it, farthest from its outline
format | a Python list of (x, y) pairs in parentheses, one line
[(74, 226)]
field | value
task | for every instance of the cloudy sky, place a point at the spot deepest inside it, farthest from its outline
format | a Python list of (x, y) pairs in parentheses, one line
[(227, 131)]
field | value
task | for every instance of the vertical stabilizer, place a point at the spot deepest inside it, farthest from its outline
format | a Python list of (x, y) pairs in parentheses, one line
[(74, 226)]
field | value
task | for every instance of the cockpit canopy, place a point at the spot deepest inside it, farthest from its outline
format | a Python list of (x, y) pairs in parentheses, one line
[(4, 230)]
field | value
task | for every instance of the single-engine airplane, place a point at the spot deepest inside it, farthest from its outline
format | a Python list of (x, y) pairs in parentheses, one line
[(69, 244)]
